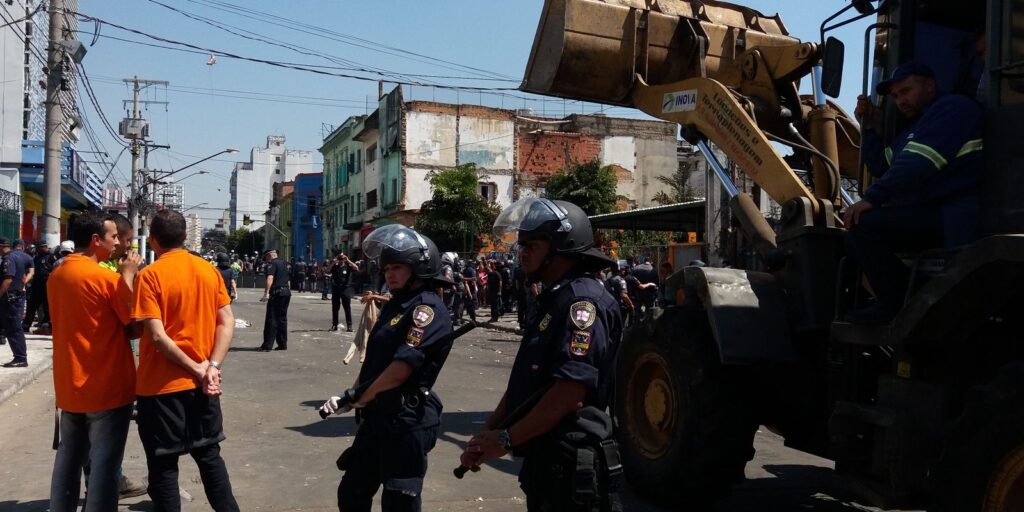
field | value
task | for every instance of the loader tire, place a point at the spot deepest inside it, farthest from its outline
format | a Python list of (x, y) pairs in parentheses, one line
[(685, 421), (982, 465)]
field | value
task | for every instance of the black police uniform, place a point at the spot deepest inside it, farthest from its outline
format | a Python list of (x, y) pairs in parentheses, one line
[(574, 336), (341, 280), (37, 292), (399, 427), (12, 303), (275, 324)]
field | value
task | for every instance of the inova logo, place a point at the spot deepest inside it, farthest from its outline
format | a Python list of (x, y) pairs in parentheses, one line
[(682, 101)]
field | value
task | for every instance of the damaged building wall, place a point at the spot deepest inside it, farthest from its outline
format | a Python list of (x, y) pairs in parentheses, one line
[(440, 136)]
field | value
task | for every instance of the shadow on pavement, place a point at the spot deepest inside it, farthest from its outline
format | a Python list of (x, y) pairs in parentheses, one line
[(25, 506), (794, 487)]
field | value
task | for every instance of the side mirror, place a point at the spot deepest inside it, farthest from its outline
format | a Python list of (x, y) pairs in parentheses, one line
[(832, 66)]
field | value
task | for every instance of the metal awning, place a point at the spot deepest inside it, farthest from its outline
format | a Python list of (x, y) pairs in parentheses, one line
[(688, 216)]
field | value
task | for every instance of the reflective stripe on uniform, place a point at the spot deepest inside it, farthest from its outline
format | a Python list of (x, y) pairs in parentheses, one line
[(933, 156), (970, 147), (888, 156)]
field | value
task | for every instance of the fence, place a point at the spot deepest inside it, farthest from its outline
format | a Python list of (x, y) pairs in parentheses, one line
[(10, 214)]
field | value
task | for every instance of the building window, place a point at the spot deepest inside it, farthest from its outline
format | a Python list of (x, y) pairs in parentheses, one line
[(277, 159), (359, 202), (489, 191), (352, 163), (371, 199), (277, 170), (394, 190), (371, 154), (344, 215)]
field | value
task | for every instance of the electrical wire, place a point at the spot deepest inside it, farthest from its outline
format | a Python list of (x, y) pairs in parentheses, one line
[(283, 64), (84, 77), (329, 34)]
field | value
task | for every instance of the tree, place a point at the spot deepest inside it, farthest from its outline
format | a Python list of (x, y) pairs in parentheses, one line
[(243, 241), (679, 189), (456, 217), (588, 185)]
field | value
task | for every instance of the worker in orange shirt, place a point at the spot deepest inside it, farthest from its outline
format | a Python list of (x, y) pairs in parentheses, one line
[(93, 366), (186, 313)]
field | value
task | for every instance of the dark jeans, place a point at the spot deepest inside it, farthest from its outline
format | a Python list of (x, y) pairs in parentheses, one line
[(885, 231), (339, 298), (496, 311), (163, 480), (465, 303), (97, 438), (275, 325), (37, 299), (382, 455), (10, 315)]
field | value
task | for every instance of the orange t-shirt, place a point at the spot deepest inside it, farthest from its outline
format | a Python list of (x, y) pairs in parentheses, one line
[(93, 365), (185, 292)]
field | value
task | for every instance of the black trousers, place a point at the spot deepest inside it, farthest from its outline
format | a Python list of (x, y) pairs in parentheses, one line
[(275, 325), (396, 458), (37, 299), (10, 318), (163, 480), (495, 301), (467, 303), (340, 299)]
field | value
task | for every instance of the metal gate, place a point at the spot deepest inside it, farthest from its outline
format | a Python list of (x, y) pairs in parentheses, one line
[(10, 214)]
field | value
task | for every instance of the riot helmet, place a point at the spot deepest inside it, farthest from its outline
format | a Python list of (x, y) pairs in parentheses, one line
[(449, 258), (396, 243), (562, 223)]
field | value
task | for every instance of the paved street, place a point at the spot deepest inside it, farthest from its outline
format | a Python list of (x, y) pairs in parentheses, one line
[(281, 455)]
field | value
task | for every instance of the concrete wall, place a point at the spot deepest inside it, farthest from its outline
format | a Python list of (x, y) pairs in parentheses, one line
[(274, 163)]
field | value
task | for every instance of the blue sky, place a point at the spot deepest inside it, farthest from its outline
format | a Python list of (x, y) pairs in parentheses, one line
[(206, 114)]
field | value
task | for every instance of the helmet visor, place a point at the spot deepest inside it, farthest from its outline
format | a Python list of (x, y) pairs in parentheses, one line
[(394, 236), (527, 215)]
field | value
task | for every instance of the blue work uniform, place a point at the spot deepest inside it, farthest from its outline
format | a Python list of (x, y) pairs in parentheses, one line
[(12, 304), (399, 427), (926, 193), (573, 336)]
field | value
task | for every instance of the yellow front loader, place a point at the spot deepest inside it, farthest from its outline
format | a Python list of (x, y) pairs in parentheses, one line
[(928, 410)]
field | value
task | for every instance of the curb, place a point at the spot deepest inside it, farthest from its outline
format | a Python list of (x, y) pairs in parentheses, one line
[(24, 381)]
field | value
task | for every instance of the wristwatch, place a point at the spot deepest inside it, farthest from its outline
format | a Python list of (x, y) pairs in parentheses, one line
[(215, 364), (505, 440)]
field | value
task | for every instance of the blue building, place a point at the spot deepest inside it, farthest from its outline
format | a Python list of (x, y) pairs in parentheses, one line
[(307, 241), (80, 187)]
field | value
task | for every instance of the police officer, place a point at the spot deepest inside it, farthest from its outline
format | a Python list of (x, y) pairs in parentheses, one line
[(448, 261), (341, 271), (43, 261), (566, 359), (398, 414), (277, 296), (12, 301)]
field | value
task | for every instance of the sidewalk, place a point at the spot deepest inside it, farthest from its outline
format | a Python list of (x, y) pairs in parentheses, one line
[(40, 359)]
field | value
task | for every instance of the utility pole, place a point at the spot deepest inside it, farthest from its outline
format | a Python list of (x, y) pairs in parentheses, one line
[(54, 126), (136, 129)]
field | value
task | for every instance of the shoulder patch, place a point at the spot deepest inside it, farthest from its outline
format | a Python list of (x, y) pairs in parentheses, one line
[(545, 321), (580, 343), (583, 314), (422, 315), (414, 337), (396, 319)]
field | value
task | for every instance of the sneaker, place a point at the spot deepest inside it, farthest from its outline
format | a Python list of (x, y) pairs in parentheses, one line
[(126, 488), (15, 364)]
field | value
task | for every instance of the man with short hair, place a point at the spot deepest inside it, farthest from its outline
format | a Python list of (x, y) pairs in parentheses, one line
[(93, 365), (14, 275), (926, 191), (277, 296), (186, 312)]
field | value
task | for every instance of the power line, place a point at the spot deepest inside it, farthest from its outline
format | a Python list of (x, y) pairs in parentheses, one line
[(96, 105), (283, 64), (314, 30)]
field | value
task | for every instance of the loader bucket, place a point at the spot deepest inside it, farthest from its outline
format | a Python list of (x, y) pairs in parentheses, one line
[(592, 50)]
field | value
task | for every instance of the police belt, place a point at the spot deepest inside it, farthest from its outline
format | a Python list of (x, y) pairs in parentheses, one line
[(393, 401)]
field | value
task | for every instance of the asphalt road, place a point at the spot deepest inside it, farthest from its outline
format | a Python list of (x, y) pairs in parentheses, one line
[(281, 455)]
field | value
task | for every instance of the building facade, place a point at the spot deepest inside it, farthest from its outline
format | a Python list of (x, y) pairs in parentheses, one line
[(194, 233), (306, 235), (276, 220), (251, 181)]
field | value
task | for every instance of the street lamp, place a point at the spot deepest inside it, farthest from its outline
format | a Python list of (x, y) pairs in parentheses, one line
[(194, 206)]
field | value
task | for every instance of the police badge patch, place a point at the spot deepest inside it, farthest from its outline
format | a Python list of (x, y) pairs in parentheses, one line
[(422, 315), (415, 337), (582, 314), (580, 343)]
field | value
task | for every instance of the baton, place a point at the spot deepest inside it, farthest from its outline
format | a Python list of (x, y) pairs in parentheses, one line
[(513, 417), (352, 395)]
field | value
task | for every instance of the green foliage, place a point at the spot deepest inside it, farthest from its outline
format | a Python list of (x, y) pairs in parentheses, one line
[(588, 185), (678, 189), (456, 217), (243, 241)]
